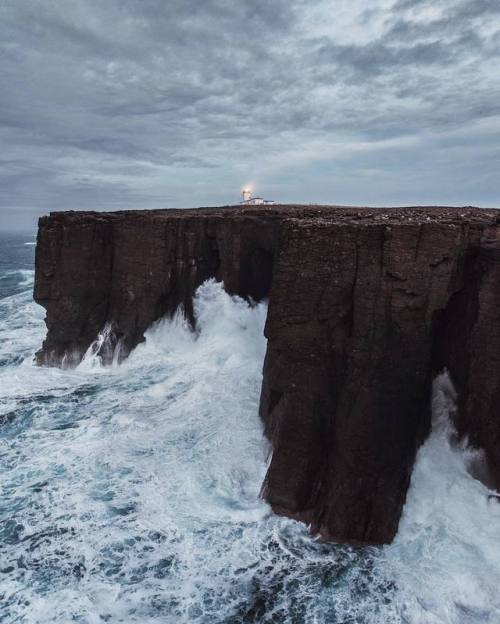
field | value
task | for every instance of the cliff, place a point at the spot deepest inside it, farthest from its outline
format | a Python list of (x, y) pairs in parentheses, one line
[(365, 305)]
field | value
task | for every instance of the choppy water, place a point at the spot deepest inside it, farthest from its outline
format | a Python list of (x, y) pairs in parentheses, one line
[(130, 493)]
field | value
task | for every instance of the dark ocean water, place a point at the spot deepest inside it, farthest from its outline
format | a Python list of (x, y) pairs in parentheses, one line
[(130, 493), (17, 257)]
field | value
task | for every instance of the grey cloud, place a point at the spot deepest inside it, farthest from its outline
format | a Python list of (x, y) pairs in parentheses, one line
[(376, 57), (478, 8), (149, 103)]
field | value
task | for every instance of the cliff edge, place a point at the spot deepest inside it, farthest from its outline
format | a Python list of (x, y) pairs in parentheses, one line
[(365, 306)]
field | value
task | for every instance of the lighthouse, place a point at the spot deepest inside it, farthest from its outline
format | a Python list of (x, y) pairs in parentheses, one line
[(248, 200)]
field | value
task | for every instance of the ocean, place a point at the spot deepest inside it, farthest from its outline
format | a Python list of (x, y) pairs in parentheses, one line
[(130, 493)]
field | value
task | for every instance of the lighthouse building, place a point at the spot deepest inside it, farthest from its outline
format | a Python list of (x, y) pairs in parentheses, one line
[(248, 200)]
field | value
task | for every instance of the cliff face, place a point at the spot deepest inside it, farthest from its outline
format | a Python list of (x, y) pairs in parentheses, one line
[(468, 344), (365, 305), (129, 269)]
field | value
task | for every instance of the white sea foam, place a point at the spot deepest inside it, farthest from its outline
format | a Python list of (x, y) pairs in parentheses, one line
[(446, 557), (130, 494), (25, 276)]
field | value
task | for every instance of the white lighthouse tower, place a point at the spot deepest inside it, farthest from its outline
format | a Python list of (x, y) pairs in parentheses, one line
[(248, 200)]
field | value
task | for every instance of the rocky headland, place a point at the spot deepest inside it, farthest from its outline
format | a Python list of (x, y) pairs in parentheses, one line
[(366, 305)]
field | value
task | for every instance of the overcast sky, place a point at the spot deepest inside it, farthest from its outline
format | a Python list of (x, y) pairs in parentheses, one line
[(108, 104)]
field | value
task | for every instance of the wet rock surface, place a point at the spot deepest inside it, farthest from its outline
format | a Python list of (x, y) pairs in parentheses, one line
[(365, 305)]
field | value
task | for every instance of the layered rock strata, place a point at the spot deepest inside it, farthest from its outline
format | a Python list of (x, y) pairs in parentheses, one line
[(365, 306)]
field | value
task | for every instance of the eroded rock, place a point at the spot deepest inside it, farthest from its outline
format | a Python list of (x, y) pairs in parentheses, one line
[(365, 305)]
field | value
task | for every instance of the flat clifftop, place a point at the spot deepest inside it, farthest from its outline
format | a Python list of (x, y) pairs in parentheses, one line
[(366, 305), (416, 214)]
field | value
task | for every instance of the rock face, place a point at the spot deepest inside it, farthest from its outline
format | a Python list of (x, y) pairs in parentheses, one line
[(365, 305), (126, 270), (468, 344)]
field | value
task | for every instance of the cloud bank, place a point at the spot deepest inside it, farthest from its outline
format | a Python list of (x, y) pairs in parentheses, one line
[(154, 103)]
